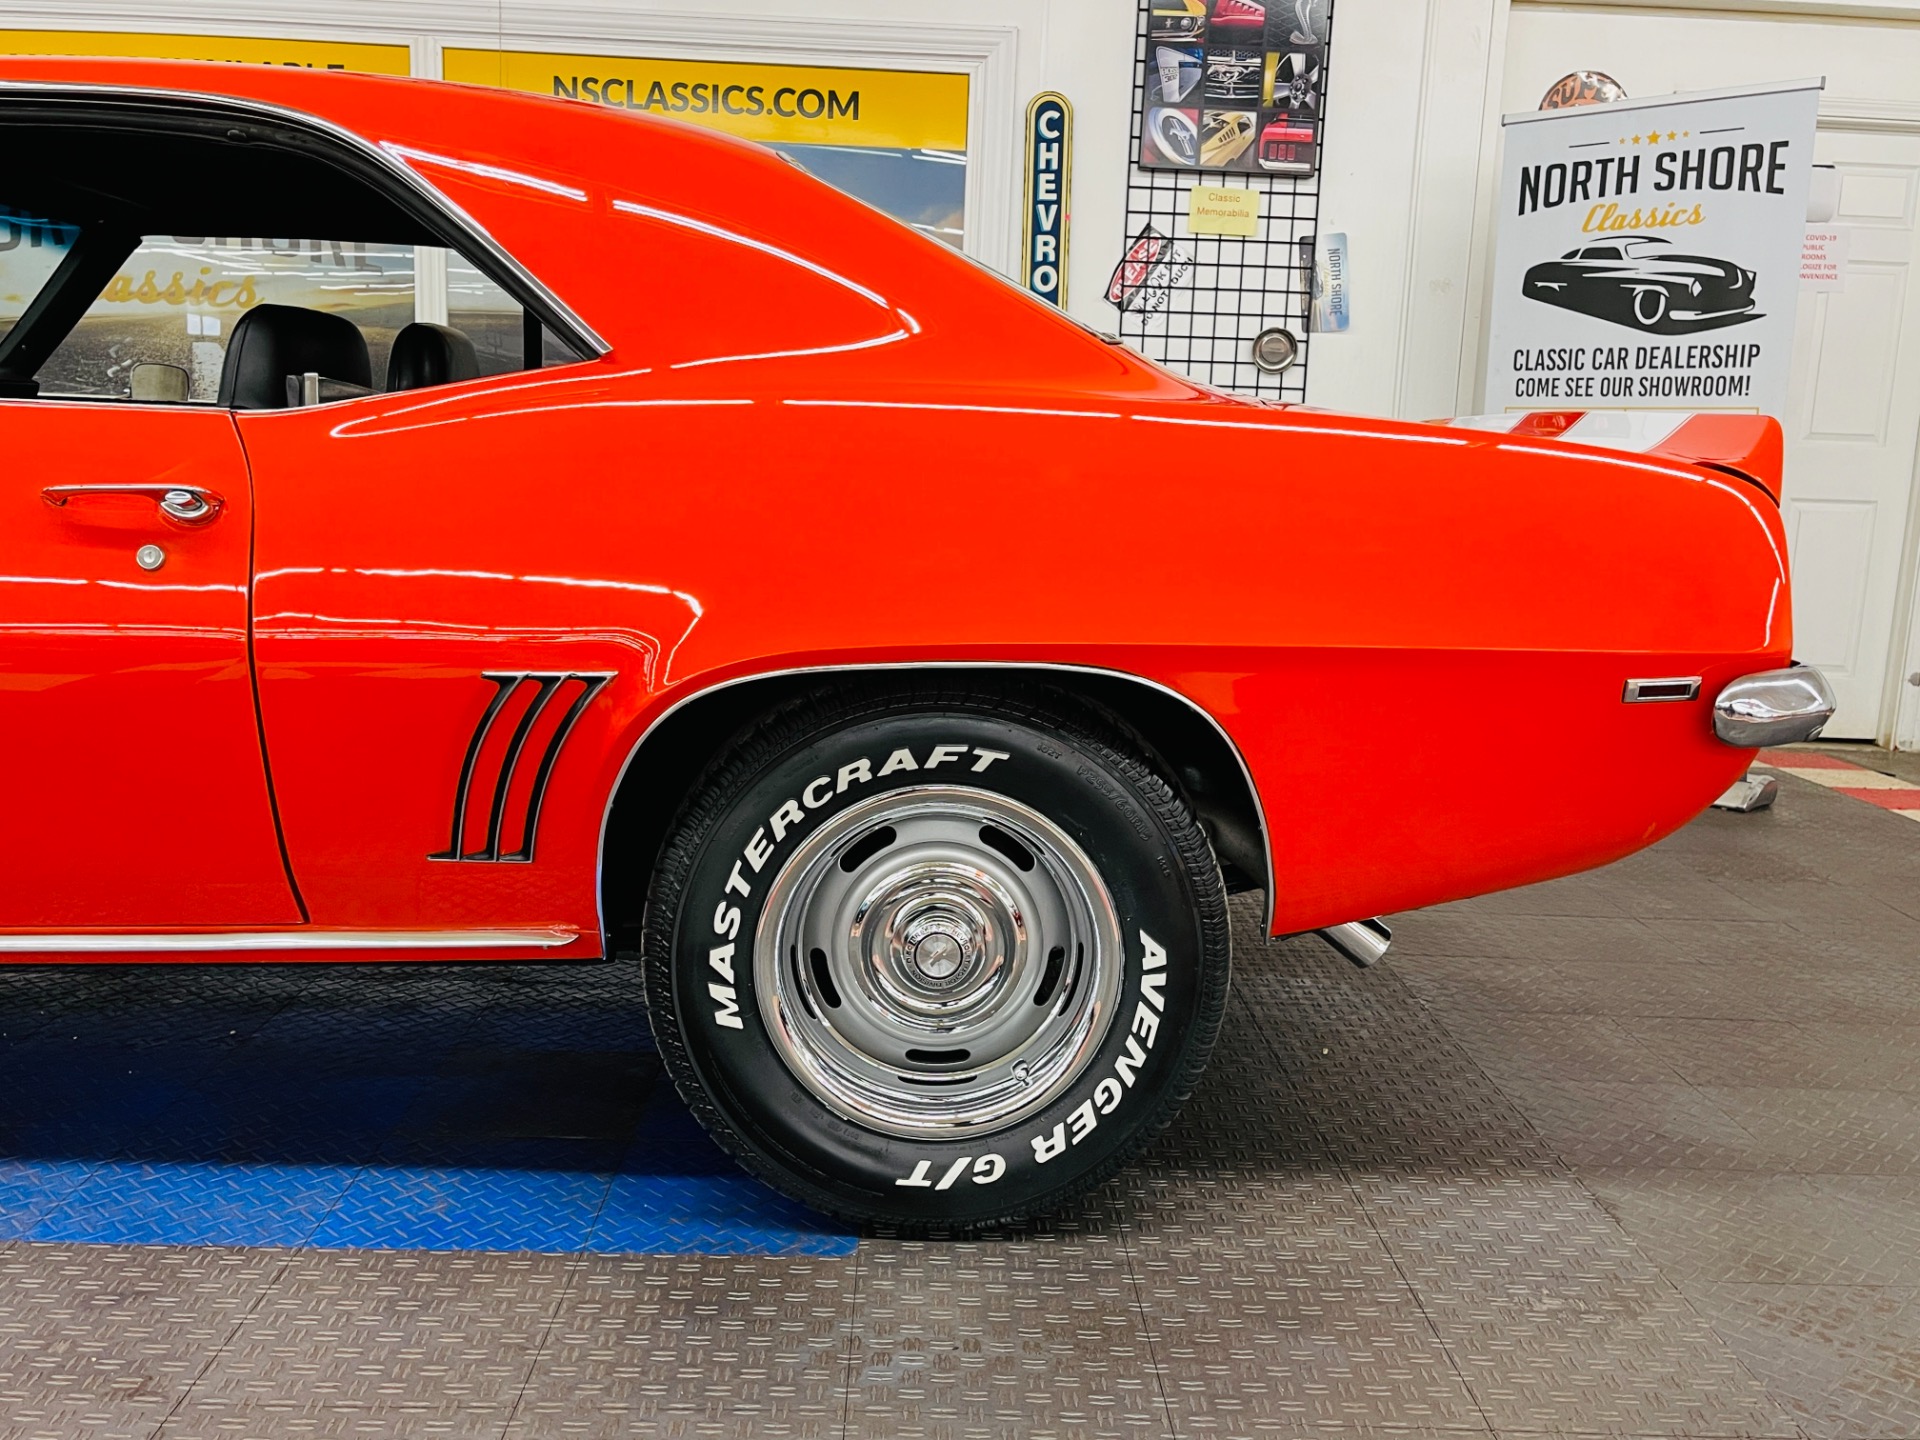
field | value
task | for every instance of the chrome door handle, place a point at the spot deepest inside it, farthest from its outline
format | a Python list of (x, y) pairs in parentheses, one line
[(188, 504)]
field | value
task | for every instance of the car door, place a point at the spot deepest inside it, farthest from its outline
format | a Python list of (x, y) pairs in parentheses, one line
[(136, 796)]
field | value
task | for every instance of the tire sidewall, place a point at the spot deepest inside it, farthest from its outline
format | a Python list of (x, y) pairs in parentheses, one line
[(1100, 800)]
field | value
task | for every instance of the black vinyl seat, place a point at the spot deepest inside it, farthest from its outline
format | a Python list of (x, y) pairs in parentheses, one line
[(425, 354), (272, 342)]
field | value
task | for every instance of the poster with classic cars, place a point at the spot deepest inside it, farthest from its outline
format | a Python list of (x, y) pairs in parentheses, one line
[(1648, 255), (1234, 85)]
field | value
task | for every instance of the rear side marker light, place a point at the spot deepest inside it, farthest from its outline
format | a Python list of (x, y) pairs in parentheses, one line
[(1646, 692)]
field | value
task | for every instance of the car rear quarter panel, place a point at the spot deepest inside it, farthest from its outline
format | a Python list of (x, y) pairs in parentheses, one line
[(1417, 638)]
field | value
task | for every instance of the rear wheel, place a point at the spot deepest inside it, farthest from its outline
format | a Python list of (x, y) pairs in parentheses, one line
[(1649, 307), (936, 957)]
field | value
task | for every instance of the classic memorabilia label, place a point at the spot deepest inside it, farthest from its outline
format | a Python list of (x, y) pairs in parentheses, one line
[(1223, 210), (791, 104), (303, 54), (1649, 253), (1049, 195)]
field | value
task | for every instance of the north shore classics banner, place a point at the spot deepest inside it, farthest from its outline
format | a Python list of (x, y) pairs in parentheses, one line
[(1648, 254)]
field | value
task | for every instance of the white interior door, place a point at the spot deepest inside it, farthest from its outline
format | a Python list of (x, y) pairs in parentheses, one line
[(1853, 410), (1852, 414)]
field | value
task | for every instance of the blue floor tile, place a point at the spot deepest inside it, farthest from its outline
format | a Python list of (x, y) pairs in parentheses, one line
[(194, 1204), (29, 1189)]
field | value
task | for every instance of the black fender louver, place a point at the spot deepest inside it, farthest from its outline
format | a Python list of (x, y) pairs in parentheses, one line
[(500, 778)]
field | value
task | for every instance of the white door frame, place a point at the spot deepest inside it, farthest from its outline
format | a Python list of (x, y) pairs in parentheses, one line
[(1899, 725)]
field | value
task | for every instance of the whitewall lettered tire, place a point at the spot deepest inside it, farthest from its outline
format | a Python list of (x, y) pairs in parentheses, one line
[(934, 956)]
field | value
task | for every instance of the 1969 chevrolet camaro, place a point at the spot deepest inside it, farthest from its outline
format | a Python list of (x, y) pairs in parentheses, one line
[(906, 673)]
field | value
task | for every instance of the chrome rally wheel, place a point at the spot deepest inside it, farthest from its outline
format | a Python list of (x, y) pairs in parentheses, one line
[(938, 961), (935, 955)]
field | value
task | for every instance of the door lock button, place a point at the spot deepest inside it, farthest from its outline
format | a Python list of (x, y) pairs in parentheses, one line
[(149, 557)]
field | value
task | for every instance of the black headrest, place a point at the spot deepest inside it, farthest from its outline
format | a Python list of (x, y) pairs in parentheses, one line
[(271, 342), (426, 354)]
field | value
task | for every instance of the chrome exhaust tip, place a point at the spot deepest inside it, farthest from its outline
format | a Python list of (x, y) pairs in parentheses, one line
[(1364, 942), (1774, 707)]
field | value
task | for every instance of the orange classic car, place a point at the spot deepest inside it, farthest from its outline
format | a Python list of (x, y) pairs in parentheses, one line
[(898, 674)]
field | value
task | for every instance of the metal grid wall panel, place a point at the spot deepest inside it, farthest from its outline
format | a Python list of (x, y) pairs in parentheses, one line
[(1237, 287)]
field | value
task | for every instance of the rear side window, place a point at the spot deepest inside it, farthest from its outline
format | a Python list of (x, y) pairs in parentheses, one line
[(199, 228), (31, 249)]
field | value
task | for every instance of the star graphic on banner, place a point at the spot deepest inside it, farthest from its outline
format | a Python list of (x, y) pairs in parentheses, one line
[(1654, 138), (1636, 139), (1672, 136)]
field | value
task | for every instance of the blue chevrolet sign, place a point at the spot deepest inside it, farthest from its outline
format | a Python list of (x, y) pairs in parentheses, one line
[(1049, 195)]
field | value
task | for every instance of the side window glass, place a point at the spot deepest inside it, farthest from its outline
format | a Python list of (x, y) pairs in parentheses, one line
[(492, 319), (175, 300), (31, 249)]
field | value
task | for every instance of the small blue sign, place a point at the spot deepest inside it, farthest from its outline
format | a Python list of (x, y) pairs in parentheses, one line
[(1049, 195)]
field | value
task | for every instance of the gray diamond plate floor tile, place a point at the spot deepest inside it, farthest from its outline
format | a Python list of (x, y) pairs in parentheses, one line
[(392, 1343), (1558, 1048), (1616, 1357), (1604, 1124), (1799, 1054), (101, 1341), (1756, 1227), (678, 1345), (1001, 1338), (1844, 1361), (1462, 1234), (1809, 1131), (1258, 1331)]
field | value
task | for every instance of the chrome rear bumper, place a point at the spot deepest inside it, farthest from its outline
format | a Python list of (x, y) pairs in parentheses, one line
[(1775, 707)]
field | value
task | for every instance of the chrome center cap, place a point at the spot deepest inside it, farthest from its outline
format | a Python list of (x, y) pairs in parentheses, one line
[(937, 956)]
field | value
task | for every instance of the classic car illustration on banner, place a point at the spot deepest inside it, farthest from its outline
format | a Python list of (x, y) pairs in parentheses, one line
[(874, 677), (1642, 282)]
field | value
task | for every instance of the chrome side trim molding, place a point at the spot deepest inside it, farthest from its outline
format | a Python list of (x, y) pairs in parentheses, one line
[(550, 937), (550, 308), (1650, 692), (1246, 774), (1774, 707)]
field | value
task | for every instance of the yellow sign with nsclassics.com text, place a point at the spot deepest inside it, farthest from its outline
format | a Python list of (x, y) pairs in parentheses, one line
[(233, 49), (779, 104)]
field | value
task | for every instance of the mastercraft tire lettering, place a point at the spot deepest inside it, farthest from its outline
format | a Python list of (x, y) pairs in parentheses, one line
[(934, 956)]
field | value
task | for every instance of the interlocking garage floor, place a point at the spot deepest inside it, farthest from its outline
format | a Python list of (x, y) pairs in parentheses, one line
[(1633, 1153)]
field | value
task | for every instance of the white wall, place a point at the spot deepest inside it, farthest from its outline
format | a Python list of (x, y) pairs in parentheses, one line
[(1408, 105)]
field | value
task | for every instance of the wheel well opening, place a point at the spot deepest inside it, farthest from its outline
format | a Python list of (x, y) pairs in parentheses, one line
[(1185, 744)]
